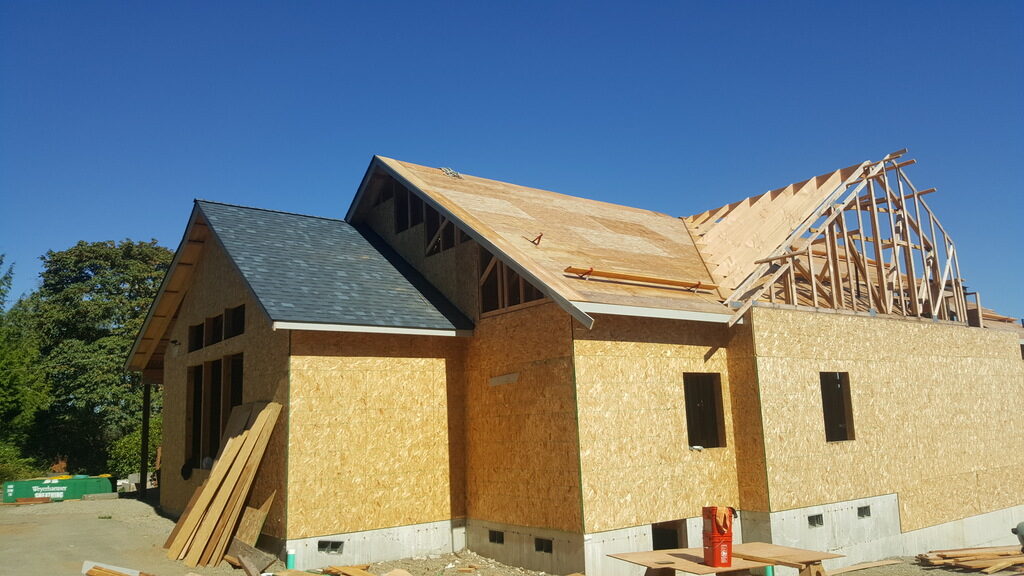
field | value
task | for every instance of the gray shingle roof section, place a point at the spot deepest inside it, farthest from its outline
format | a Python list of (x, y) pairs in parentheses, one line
[(324, 271)]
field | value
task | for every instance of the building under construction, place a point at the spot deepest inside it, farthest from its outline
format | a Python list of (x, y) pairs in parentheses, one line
[(547, 379)]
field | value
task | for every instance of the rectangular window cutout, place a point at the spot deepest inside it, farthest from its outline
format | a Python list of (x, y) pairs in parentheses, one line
[(195, 337), (836, 406), (234, 321), (542, 545), (815, 520), (495, 536), (330, 546), (415, 210), (401, 209), (863, 511), (212, 408), (214, 330), (705, 422), (194, 415)]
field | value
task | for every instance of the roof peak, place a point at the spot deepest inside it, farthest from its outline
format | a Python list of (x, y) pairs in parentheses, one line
[(284, 212)]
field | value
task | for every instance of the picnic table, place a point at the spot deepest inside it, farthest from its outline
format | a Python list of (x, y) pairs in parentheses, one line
[(744, 557)]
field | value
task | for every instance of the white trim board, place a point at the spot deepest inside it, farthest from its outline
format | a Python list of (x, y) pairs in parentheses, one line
[(368, 329), (645, 312)]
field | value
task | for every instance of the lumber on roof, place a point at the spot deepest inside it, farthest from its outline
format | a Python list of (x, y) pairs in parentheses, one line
[(690, 284)]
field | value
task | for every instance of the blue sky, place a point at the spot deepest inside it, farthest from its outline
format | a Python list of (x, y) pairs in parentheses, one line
[(114, 116)]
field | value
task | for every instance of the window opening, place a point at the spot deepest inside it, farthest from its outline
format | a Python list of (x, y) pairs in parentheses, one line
[(495, 536), (195, 337), (705, 425), (863, 511), (836, 406), (544, 545), (815, 520), (234, 321), (214, 330)]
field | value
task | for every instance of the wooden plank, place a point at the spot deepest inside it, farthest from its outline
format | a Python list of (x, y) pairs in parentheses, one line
[(585, 272), (205, 527), (686, 559), (251, 557), (864, 565), (190, 522), (273, 410), (252, 521)]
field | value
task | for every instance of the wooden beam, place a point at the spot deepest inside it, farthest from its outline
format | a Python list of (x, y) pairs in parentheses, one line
[(690, 284)]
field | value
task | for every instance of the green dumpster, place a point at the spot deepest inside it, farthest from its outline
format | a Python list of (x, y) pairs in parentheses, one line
[(55, 488)]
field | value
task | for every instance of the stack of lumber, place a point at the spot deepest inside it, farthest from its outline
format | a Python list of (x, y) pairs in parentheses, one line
[(989, 559), (206, 528)]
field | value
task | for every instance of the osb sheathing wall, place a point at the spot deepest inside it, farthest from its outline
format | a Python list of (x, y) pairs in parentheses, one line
[(376, 432), (216, 285), (748, 427), (637, 467), (936, 412), (453, 272), (521, 429)]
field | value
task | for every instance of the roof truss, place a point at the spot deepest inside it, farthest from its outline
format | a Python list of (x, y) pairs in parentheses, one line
[(874, 245)]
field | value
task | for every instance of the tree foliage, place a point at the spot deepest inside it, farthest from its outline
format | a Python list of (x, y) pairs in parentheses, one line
[(84, 317)]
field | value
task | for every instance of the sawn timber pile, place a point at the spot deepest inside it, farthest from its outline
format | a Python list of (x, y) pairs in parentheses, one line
[(989, 560)]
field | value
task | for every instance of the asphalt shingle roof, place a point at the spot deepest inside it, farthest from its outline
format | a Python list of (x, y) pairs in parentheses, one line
[(325, 271)]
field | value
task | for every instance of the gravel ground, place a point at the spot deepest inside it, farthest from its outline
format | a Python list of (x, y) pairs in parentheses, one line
[(56, 538)]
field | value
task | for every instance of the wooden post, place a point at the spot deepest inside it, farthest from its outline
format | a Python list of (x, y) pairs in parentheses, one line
[(881, 278), (147, 392)]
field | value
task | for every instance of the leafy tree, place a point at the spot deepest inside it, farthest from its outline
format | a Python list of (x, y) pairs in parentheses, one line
[(22, 389), (93, 300), (124, 453)]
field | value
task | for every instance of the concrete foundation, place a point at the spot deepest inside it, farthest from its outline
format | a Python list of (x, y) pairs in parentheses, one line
[(375, 545), (519, 546)]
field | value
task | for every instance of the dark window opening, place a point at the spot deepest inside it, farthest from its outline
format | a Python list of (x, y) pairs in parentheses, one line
[(490, 297), (195, 416), (863, 511), (544, 545), (836, 406), (233, 365), (513, 288), (815, 520), (705, 423), (401, 209), (234, 321), (212, 405), (214, 330), (433, 223), (195, 337), (415, 210), (495, 536)]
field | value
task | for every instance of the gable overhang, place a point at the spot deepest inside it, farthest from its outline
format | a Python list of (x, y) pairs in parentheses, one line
[(379, 164), (164, 308)]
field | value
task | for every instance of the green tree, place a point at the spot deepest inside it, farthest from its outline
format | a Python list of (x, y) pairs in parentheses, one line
[(93, 300), (22, 389)]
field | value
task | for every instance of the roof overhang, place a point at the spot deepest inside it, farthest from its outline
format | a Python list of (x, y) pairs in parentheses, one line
[(646, 312), (316, 327), (151, 337)]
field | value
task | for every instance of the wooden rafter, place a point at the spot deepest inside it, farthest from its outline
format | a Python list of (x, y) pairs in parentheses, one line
[(872, 245)]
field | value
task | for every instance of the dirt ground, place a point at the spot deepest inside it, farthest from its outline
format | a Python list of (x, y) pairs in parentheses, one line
[(55, 538)]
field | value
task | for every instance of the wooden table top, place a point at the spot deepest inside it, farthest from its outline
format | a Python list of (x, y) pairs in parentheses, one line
[(692, 559)]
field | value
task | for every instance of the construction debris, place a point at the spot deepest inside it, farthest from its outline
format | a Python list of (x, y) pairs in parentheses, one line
[(206, 528), (989, 560), (90, 568)]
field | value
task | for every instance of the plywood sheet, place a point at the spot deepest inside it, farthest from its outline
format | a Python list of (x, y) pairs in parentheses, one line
[(931, 406), (684, 559), (637, 467), (576, 232), (374, 421), (522, 445)]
